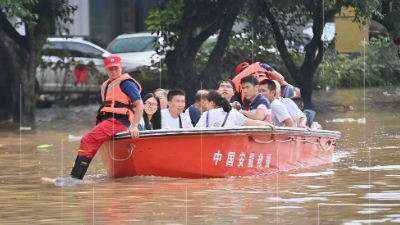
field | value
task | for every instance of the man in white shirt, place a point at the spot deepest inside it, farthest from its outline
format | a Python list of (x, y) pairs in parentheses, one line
[(280, 116), (299, 119), (173, 118)]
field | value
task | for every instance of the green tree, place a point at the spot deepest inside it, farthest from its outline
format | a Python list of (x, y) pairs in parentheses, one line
[(277, 18), (20, 54), (389, 18), (185, 25)]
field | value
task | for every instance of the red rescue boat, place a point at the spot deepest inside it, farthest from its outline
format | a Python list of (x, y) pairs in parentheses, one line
[(216, 152)]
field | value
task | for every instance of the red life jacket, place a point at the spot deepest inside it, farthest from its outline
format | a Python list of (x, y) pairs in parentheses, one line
[(254, 69), (116, 101)]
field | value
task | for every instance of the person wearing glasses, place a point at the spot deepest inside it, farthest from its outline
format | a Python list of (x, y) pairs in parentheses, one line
[(151, 119), (226, 88)]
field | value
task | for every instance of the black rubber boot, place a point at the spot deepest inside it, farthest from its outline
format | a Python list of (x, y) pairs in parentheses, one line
[(80, 167)]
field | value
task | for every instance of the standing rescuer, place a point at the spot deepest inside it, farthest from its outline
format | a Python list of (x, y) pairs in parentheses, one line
[(121, 109)]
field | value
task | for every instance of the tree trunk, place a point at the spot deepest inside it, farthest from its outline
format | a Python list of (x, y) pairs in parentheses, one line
[(23, 93), (181, 60), (20, 76), (314, 50), (305, 85), (20, 55), (180, 70)]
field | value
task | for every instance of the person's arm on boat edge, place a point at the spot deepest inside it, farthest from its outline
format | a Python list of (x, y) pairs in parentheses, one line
[(250, 122), (253, 116), (302, 123), (275, 75), (138, 115), (130, 89), (289, 122)]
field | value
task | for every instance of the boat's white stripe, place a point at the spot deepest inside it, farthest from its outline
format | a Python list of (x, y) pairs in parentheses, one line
[(226, 130)]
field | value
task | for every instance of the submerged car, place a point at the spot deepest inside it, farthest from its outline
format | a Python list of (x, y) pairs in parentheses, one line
[(75, 65)]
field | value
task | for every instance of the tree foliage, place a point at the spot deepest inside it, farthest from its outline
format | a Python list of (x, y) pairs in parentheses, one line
[(278, 18), (388, 16), (21, 53), (185, 25), (381, 66)]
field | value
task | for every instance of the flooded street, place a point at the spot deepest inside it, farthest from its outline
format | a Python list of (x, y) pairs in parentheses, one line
[(360, 186)]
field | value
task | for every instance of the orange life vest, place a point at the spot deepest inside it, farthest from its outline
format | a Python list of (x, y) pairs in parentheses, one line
[(254, 69), (116, 101)]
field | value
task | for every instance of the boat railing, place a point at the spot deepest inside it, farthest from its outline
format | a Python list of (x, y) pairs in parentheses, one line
[(230, 130)]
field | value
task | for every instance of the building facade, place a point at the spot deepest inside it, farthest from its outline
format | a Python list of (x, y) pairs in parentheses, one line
[(106, 19)]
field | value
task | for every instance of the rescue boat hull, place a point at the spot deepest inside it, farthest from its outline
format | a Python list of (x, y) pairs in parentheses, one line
[(216, 152)]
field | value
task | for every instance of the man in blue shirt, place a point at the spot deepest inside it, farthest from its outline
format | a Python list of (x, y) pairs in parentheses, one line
[(121, 110), (259, 107), (194, 111)]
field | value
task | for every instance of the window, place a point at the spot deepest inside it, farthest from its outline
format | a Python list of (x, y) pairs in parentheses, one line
[(133, 44), (53, 49), (82, 50)]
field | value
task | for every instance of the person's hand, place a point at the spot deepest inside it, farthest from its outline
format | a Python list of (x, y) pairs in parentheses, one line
[(272, 126), (236, 105), (134, 132), (267, 67), (304, 126)]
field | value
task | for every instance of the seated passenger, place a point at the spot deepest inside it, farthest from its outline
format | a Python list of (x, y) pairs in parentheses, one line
[(172, 117), (262, 71), (226, 88), (299, 119), (151, 119), (162, 95), (194, 111), (221, 114), (280, 116), (259, 107)]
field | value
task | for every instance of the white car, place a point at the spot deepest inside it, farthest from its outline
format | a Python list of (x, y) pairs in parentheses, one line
[(137, 46), (60, 57), (141, 46)]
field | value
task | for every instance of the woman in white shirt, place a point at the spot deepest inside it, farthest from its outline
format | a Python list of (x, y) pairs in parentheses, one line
[(221, 114), (151, 119)]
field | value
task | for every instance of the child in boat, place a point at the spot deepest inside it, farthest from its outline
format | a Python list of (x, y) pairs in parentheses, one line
[(151, 119), (221, 114)]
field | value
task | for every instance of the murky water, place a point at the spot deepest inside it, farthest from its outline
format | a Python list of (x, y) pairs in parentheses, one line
[(361, 185)]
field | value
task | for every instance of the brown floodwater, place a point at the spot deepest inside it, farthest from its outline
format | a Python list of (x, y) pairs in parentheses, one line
[(360, 186)]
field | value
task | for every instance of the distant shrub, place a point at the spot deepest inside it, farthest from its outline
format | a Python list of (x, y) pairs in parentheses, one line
[(382, 67)]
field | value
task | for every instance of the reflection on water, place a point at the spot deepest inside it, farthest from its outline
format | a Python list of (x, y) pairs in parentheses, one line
[(360, 186)]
